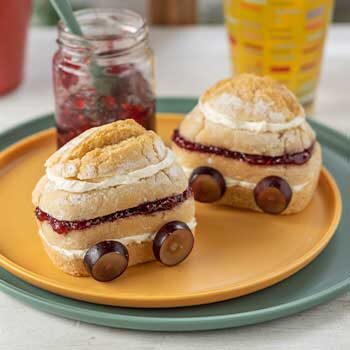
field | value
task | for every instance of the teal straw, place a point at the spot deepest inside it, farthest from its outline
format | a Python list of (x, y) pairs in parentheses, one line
[(65, 12)]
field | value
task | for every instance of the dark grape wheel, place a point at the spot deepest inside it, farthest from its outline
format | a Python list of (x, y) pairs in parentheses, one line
[(173, 243), (106, 260), (208, 184), (272, 194)]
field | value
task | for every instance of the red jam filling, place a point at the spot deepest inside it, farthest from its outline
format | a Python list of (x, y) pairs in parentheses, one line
[(63, 226), (286, 159), (80, 106)]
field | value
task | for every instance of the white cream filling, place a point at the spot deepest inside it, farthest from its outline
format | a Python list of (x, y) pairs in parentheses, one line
[(235, 104), (78, 186), (231, 182), (79, 253)]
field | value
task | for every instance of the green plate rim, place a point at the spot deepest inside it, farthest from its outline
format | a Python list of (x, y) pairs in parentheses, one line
[(334, 139)]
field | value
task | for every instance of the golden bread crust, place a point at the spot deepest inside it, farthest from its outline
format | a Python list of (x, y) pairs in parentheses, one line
[(251, 90), (82, 182), (255, 116), (196, 128), (116, 149), (64, 205), (122, 146)]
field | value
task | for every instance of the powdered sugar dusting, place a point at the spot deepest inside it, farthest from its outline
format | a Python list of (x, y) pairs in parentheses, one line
[(233, 105), (78, 186), (226, 109)]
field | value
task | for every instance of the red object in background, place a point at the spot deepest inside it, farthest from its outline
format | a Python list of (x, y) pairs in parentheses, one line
[(14, 19)]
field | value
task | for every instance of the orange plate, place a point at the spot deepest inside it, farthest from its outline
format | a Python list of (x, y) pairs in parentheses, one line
[(236, 252)]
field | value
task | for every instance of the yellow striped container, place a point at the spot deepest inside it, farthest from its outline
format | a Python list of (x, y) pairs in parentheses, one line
[(280, 38)]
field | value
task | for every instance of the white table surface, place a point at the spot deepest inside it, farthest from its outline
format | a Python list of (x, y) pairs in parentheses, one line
[(187, 61)]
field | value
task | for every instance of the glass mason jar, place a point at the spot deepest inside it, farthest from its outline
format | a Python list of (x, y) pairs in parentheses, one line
[(104, 76)]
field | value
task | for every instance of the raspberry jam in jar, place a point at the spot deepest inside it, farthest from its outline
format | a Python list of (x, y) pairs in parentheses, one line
[(104, 76)]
